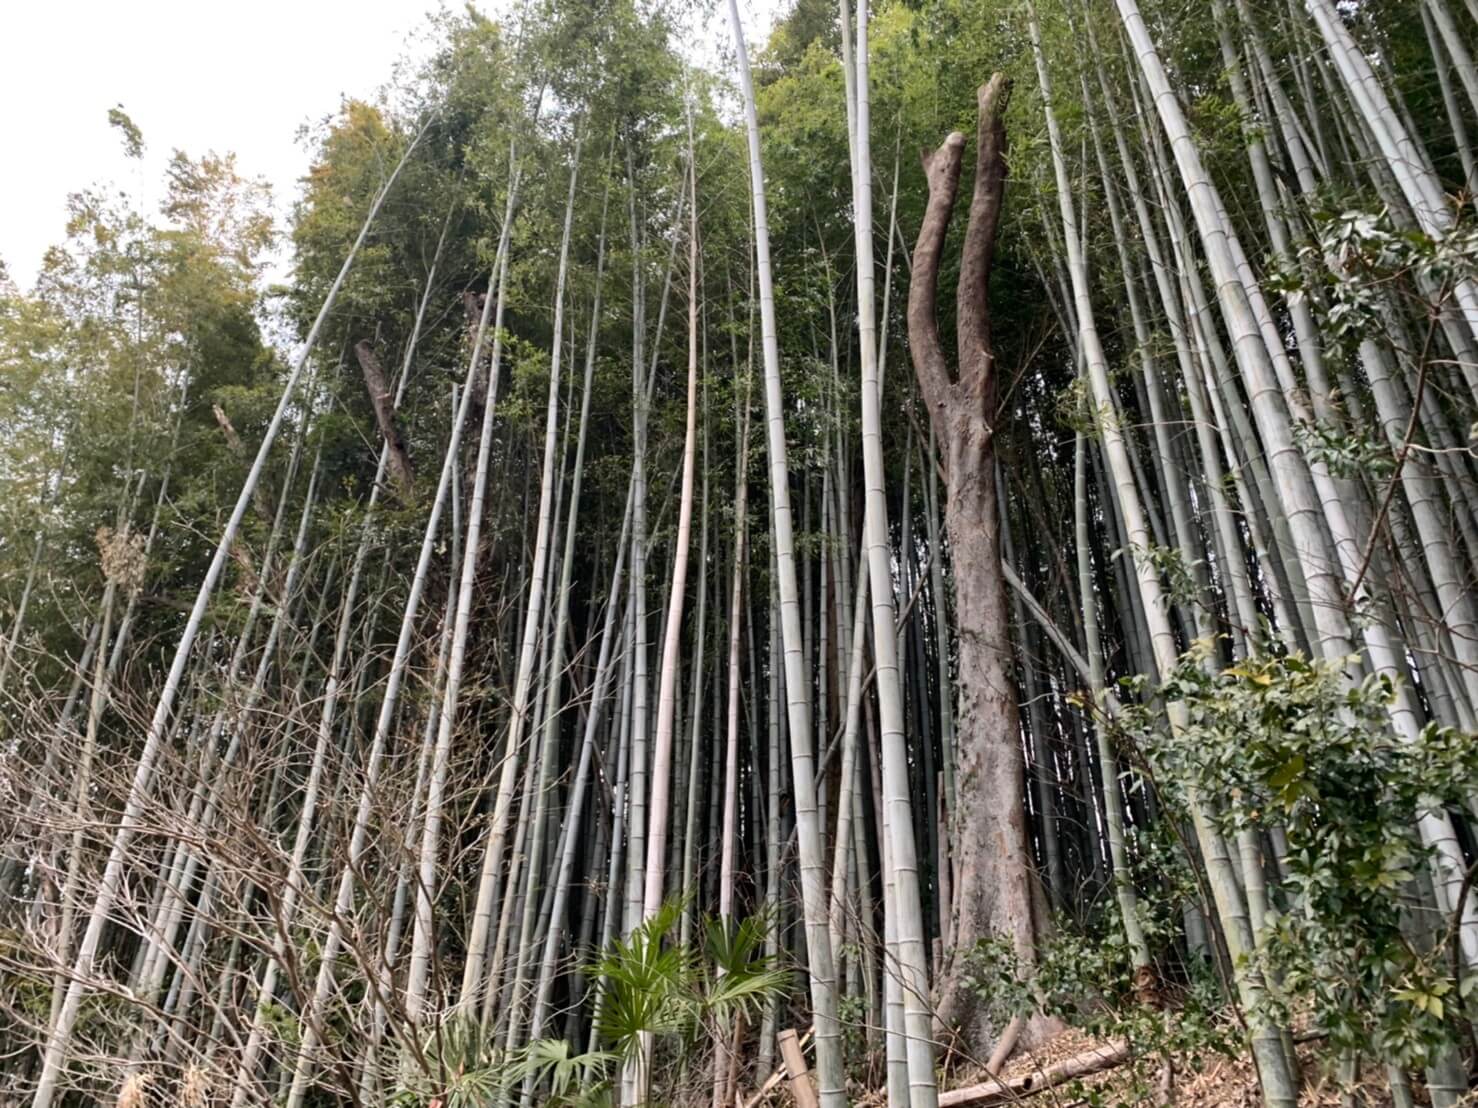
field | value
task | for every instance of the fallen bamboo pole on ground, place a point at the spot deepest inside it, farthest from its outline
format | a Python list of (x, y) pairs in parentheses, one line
[(996, 1091)]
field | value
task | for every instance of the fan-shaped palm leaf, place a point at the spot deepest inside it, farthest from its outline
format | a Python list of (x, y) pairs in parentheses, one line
[(571, 1078)]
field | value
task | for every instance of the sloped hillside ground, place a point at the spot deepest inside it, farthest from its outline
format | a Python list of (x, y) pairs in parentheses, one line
[(1202, 1080)]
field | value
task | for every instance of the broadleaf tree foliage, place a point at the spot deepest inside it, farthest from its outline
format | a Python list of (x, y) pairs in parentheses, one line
[(656, 577)]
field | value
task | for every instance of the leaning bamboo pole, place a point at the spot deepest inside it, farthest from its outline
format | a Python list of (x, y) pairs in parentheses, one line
[(359, 836), (1274, 1067), (108, 885), (332, 693)]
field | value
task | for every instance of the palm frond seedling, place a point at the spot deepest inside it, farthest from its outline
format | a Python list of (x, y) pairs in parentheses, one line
[(465, 1067), (659, 987), (578, 1080), (738, 978)]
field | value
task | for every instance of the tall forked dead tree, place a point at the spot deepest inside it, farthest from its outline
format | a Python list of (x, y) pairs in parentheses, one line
[(995, 891)]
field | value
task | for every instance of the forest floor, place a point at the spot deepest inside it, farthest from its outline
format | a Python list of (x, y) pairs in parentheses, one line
[(1210, 1081)]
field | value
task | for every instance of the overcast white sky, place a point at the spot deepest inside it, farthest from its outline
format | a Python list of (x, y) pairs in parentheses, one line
[(194, 76)]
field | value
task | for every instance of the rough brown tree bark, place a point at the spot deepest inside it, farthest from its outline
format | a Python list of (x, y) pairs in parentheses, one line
[(996, 892), (380, 395)]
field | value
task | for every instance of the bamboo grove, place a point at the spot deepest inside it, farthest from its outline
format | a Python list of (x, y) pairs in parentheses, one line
[(674, 568)]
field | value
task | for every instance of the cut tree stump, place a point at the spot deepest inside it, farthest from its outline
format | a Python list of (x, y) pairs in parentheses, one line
[(795, 1066), (996, 1091)]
